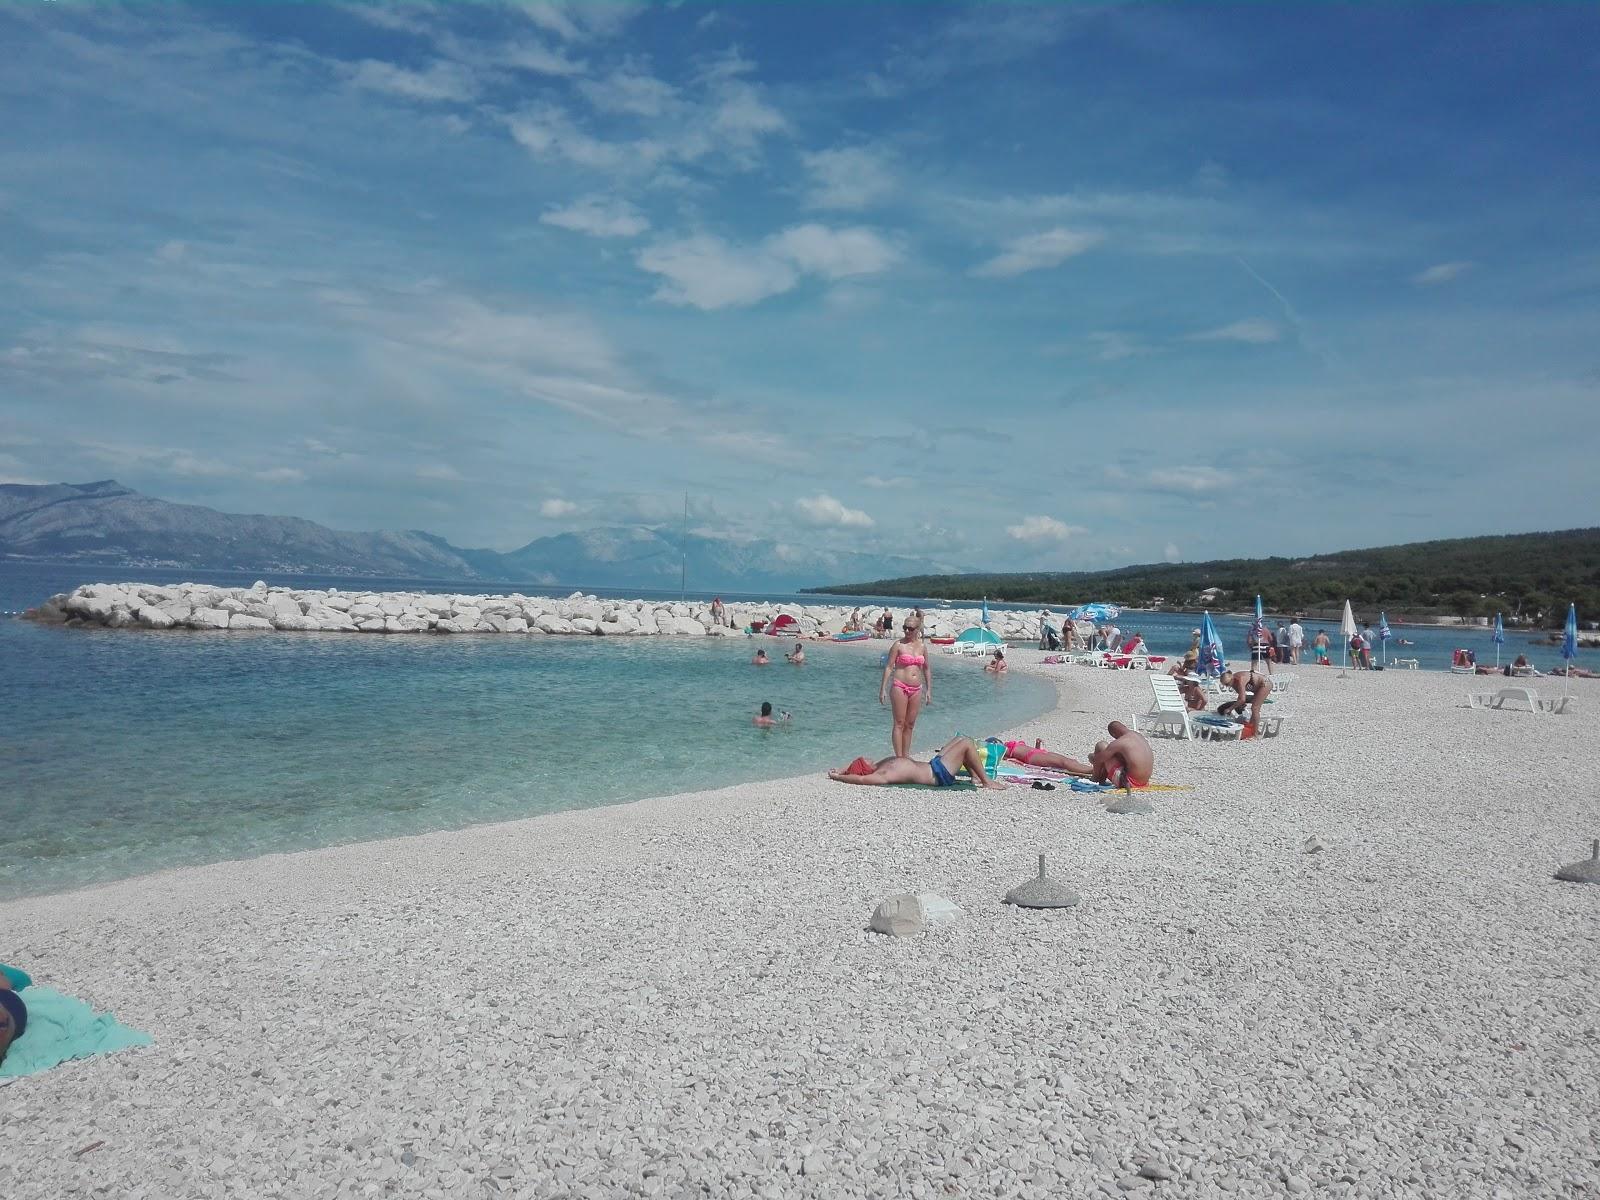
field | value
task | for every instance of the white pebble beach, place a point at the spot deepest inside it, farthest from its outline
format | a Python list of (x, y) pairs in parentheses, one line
[(678, 997)]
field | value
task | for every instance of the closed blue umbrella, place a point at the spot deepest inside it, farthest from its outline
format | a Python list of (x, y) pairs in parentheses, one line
[(1569, 644), (1383, 636), (1499, 639), (1211, 658), (986, 610)]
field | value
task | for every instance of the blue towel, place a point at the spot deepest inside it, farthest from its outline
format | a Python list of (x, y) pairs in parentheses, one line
[(61, 1027)]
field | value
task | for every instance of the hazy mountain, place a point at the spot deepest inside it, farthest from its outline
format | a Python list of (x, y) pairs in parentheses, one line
[(107, 523)]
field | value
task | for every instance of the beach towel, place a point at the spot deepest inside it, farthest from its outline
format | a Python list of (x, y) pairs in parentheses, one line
[(62, 1027)]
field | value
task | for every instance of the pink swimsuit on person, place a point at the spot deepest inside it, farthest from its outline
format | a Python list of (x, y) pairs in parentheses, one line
[(909, 660)]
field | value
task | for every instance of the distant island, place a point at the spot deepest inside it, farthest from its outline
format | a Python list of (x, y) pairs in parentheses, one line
[(1529, 577), (109, 525)]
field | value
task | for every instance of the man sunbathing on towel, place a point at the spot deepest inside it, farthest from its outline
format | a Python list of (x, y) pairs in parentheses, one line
[(1126, 760), (13, 1016), (1252, 688), (939, 771)]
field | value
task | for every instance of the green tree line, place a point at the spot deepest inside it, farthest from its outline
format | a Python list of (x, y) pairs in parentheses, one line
[(1529, 577)]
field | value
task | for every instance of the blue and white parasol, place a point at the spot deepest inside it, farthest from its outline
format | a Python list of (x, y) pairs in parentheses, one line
[(1211, 660), (1499, 639)]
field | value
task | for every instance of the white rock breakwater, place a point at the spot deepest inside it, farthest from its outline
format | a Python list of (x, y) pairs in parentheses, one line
[(260, 607)]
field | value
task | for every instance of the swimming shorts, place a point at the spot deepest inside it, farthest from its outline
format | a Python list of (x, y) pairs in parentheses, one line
[(941, 773)]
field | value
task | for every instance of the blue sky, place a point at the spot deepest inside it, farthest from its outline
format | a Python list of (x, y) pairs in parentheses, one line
[(1012, 286)]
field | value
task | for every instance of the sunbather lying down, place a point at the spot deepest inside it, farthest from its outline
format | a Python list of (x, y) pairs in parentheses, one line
[(939, 771), (1126, 759)]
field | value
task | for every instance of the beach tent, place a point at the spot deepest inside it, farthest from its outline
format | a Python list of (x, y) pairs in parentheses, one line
[(1569, 645), (1383, 637), (1499, 639), (784, 625), (977, 635), (1211, 660), (1347, 630)]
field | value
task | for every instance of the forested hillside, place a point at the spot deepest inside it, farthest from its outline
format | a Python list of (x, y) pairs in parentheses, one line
[(1531, 575)]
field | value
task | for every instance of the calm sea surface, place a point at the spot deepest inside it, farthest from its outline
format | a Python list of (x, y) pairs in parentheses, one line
[(123, 752)]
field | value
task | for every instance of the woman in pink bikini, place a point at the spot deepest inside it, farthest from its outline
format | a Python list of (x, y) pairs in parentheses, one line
[(907, 682)]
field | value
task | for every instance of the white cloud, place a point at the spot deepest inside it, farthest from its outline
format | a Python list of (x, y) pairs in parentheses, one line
[(630, 91), (439, 471), (834, 253), (743, 117), (1037, 251), (1043, 529), (172, 251), (848, 178), (708, 273), (281, 475), (599, 216), (1441, 273), (441, 81), (1115, 346), (823, 510), (1182, 481), (578, 20), (893, 481), (540, 60), (1253, 332), (555, 508), (550, 133), (1171, 553)]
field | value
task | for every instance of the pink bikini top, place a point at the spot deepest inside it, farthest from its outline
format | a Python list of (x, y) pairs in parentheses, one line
[(910, 660)]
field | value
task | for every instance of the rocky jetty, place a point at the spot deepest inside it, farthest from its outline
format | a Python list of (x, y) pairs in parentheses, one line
[(262, 608)]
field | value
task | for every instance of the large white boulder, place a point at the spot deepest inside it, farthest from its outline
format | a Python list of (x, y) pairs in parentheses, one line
[(550, 624), (152, 617), (584, 625), (372, 624), (246, 621), (687, 627), (209, 618)]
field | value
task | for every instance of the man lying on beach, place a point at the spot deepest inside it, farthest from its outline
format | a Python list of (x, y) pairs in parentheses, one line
[(939, 771), (13, 1015), (1126, 761), (1252, 689)]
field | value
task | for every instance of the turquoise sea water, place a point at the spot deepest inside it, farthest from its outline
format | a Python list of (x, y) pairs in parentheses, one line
[(126, 751)]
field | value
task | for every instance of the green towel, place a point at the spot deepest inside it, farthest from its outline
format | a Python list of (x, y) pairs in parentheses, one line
[(61, 1027)]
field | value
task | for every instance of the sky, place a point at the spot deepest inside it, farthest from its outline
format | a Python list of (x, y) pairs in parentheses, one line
[(1010, 286)]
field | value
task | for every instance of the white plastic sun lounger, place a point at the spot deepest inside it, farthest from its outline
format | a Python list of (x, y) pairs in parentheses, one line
[(1499, 699), (1168, 713)]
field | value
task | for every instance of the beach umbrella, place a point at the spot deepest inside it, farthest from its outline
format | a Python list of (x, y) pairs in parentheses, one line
[(1569, 644), (1499, 639), (1211, 658), (1383, 636), (979, 636), (1096, 612), (1347, 629)]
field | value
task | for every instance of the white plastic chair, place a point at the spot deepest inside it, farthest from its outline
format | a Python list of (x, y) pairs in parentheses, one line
[(1168, 712)]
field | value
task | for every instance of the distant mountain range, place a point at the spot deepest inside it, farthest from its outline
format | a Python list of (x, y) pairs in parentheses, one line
[(113, 525)]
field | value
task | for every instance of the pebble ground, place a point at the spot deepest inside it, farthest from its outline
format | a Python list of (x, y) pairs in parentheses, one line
[(679, 998)]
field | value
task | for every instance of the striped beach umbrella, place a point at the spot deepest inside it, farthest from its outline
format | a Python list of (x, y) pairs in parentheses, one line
[(1499, 638), (1211, 660)]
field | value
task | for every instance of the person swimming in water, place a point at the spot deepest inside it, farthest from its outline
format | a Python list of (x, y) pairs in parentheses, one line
[(907, 683), (760, 659), (997, 664), (797, 656), (939, 771), (765, 719)]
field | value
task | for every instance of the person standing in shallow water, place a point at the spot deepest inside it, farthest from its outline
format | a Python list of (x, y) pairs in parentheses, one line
[(907, 684)]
